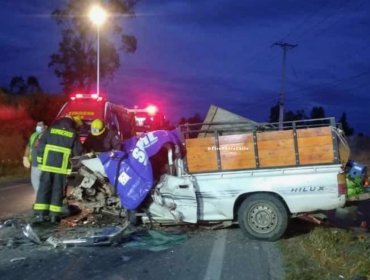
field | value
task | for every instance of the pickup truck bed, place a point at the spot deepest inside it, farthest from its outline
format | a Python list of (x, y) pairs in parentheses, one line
[(298, 146)]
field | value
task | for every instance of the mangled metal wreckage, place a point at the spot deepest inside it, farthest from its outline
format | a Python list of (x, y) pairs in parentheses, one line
[(220, 174), (139, 181)]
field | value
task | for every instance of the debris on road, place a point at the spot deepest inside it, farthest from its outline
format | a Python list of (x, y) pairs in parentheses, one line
[(19, 225), (153, 240), (18, 259), (104, 237), (7, 223), (30, 234)]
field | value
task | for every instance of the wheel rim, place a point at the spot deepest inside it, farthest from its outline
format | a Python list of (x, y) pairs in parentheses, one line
[(262, 218)]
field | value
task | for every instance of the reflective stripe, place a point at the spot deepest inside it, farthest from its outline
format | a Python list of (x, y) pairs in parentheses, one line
[(61, 132), (55, 208), (41, 206), (55, 169), (39, 159), (31, 142), (63, 169)]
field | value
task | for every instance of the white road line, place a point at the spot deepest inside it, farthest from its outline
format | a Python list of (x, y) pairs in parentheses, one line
[(14, 187), (216, 258)]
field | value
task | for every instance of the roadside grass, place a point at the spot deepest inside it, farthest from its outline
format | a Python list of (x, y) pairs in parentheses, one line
[(13, 144), (9, 172), (326, 253)]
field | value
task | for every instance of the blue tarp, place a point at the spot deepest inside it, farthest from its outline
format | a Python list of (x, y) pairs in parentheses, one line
[(130, 170)]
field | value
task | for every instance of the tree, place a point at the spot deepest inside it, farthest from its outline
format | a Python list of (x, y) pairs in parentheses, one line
[(17, 85), (294, 116), (195, 119), (3, 97), (317, 113), (33, 85), (348, 131), (274, 113), (289, 116), (75, 62)]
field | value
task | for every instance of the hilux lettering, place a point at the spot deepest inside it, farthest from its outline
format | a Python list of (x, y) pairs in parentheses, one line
[(307, 189)]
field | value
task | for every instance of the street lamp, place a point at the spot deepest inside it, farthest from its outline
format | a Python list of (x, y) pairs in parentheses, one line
[(98, 16)]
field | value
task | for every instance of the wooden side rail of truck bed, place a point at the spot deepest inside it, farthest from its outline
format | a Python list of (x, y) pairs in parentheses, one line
[(232, 146)]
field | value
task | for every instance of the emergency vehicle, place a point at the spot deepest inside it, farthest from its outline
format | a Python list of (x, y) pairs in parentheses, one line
[(89, 107), (148, 119)]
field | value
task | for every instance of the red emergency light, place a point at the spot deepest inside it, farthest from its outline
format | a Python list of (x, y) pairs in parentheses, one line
[(79, 96), (151, 110)]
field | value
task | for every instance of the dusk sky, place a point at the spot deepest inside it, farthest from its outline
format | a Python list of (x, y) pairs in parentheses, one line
[(193, 53)]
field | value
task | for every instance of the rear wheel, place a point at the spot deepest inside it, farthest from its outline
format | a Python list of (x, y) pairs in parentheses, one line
[(263, 217)]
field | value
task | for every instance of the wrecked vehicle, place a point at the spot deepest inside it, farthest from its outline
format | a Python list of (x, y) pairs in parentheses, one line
[(232, 172)]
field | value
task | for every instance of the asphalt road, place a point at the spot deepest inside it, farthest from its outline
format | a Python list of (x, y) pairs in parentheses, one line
[(205, 254), (15, 198), (221, 254)]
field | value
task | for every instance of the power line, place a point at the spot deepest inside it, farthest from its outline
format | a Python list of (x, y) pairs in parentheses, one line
[(306, 19), (347, 90), (319, 23), (343, 5), (333, 23), (334, 83)]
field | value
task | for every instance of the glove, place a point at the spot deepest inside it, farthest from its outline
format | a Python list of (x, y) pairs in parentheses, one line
[(26, 162)]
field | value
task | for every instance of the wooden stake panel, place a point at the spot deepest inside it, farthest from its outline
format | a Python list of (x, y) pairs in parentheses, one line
[(274, 149)]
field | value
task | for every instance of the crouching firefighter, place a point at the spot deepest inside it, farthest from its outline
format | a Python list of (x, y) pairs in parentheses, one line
[(59, 143)]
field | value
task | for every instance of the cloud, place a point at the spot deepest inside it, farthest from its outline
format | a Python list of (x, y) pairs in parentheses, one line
[(193, 53), (11, 52), (337, 97), (34, 7), (234, 13), (183, 95)]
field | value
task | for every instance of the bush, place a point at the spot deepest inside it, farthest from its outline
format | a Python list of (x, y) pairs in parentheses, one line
[(16, 126), (18, 117)]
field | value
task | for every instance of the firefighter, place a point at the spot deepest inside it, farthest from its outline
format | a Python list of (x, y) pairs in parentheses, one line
[(29, 157), (101, 139), (57, 145)]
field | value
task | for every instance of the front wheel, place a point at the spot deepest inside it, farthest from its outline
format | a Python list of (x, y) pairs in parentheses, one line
[(263, 217)]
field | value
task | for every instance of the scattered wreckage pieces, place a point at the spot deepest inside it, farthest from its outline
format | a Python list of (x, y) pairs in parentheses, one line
[(151, 240), (18, 259), (30, 234), (19, 225), (7, 223), (103, 237)]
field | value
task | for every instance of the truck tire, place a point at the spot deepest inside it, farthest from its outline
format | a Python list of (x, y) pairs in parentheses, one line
[(263, 217)]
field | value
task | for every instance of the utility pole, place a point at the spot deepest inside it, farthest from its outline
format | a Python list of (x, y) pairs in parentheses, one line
[(285, 47)]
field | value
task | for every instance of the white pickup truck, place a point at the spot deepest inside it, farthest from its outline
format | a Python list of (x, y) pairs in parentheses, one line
[(258, 177)]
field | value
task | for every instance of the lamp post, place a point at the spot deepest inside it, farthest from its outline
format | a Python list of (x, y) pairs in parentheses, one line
[(98, 16)]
